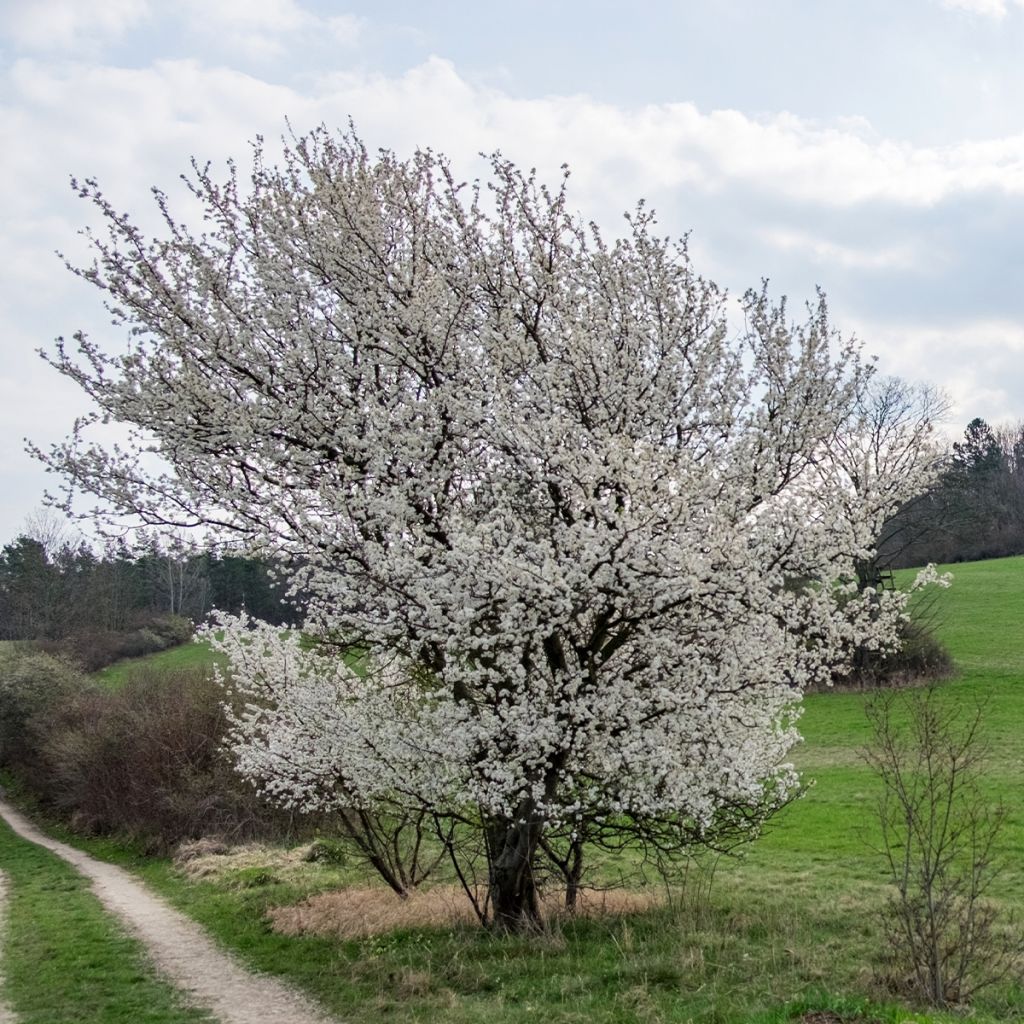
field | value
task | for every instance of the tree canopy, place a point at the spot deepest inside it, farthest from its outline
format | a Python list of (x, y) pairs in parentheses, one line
[(589, 542)]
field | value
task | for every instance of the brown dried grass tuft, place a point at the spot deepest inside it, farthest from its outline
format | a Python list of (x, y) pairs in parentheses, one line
[(210, 859), (195, 849), (364, 911)]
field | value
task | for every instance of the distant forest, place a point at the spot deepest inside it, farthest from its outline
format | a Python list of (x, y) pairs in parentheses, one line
[(974, 511), (52, 589)]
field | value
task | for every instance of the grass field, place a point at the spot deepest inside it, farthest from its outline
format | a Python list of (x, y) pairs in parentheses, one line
[(194, 655), (790, 926)]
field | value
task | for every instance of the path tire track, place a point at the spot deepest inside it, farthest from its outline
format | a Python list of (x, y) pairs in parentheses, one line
[(6, 1013)]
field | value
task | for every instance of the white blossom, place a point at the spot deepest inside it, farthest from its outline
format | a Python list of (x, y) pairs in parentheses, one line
[(590, 544)]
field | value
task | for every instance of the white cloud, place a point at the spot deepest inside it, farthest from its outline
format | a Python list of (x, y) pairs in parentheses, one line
[(70, 24), (979, 363), (130, 127), (134, 127), (676, 144), (264, 29), (997, 9), (345, 29), (142, 124), (985, 8), (830, 253)]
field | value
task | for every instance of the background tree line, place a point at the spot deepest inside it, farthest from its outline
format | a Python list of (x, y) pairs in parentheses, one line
[(975, 509), (55, 589)]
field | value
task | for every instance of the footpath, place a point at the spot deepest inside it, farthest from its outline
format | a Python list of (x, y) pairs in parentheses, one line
[(179, 948)]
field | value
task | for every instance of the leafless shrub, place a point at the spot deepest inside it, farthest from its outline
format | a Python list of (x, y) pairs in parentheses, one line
[(146, 761), (96, 648), (939, 838)]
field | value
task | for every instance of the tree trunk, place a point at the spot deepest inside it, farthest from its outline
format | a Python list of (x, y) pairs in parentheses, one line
[(512, 884), (573, 874)]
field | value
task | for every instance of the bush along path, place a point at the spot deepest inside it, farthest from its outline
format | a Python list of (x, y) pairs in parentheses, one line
[(180, 950)]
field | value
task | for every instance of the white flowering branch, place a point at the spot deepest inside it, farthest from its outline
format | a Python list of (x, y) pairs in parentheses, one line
[(592, 545)]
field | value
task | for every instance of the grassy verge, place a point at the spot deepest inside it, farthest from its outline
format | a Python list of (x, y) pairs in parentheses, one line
[(764, 949), (65, 960)]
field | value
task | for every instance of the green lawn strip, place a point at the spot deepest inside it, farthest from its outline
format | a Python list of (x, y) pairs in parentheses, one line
[(187, 656), (66, 961)]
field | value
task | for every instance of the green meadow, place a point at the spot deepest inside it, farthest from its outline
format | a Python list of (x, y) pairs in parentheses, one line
[(790, 929), (187, 657)]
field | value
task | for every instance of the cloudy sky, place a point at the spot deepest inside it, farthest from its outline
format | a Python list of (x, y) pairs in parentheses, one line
[(874, 148)]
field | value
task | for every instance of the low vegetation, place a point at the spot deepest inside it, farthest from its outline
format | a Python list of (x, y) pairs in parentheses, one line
[(791, 931), (142, 760), (939, 836), (96, 650)]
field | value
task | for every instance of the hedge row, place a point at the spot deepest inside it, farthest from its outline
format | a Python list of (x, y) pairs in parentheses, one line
[(145, 761)]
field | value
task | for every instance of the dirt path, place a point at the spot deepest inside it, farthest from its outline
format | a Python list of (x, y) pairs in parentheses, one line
[(6, 1014), (180, 949)]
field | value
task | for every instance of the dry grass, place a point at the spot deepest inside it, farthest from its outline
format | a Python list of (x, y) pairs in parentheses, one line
[(213, 860), (364, 911)]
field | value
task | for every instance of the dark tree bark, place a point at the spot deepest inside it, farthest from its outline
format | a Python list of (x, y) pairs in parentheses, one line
[(512, 881)]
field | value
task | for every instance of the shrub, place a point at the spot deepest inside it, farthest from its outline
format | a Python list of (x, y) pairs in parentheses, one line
[(939, 841), (172, 629), (32, 684), (146, 761), (97, 649), (920, 656)]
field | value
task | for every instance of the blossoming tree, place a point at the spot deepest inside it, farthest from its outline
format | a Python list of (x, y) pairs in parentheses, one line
[(590, 544)]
